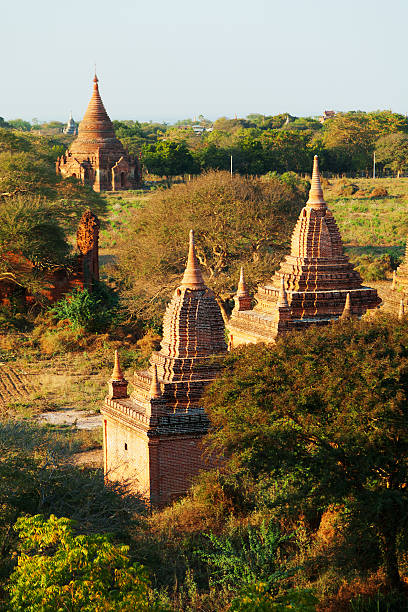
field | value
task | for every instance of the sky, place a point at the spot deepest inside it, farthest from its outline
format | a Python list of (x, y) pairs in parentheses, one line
[(164, 60)]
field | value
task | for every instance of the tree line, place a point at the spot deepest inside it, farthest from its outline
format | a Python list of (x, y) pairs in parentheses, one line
[(259, 144)]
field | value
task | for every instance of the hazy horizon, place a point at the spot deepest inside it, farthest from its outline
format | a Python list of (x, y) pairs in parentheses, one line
[(167, 62)]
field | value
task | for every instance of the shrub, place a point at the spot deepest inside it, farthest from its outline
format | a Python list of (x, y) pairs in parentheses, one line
[(379, 192), (94, 310), (62, 340), (344, 188), (60, 570), (247, 558), (361, 193), (373, 268)]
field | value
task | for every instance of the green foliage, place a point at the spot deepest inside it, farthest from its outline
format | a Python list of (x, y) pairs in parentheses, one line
[(373, 268), (248, 558), (20, 124), (60, 570), (94, 310), (27, 168), (256, 597), (237, 221), (31, 241), (392, 152), (381, 602), (322, 419), (169, 159)]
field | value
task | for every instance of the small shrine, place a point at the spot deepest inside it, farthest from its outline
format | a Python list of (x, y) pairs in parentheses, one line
[(152, 438), (71, 127), (313, 285)]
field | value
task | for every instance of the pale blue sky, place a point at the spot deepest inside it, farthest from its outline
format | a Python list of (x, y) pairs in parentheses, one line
[(167, 60)]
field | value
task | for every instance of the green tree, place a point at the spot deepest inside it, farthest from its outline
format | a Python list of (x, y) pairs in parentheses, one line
[(20, 124), (31, 241), (59, 570), (350, 137), (392, 152), (322, 419), (169, 159), (237, 221)]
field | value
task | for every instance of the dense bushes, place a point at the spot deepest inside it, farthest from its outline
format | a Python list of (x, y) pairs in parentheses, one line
[(237, 221), (321, 420), (93, 311)]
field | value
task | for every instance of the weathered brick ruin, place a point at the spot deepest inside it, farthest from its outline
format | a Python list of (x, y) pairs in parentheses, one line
[(396, 298), (96, 156), (152, 439), (312, 284), (88, 246), (60, 280)]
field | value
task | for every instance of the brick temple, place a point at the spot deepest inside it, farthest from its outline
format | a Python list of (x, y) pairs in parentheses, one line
[(152, 438), (314, 285), (96, 156)]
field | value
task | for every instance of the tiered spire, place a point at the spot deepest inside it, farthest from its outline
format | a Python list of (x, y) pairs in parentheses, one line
[(317, 278), (316, 199), (242, 298), (193, 278), (96, 121), (394, 280)]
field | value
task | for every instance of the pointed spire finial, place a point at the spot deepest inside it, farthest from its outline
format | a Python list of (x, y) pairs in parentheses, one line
[(242, 286), (117, 373), (193, 279), (95, 79), (401, 312), (155, 389), (346, 314), (283, 298), (316, 199)]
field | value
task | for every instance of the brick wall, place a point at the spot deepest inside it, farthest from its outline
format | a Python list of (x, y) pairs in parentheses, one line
[(174, 464), (127, 459)]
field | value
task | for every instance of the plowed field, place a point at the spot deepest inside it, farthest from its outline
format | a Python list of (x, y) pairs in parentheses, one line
[(14, 385)]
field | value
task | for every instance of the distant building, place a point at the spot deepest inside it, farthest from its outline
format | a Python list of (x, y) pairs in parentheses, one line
[(328, 114), (198, 129), (96, 156), (71, 127)]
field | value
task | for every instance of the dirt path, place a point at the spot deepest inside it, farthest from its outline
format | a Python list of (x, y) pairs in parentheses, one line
[(14, 385)]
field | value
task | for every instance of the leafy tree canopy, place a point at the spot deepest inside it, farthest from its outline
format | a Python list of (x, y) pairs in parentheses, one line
[(169, 159), (237, 221), (322, 418), (58, 570), (392, 151)]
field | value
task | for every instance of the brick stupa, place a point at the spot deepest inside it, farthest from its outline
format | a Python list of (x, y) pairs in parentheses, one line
[(312, 284), (96, 156), (152, 439)]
